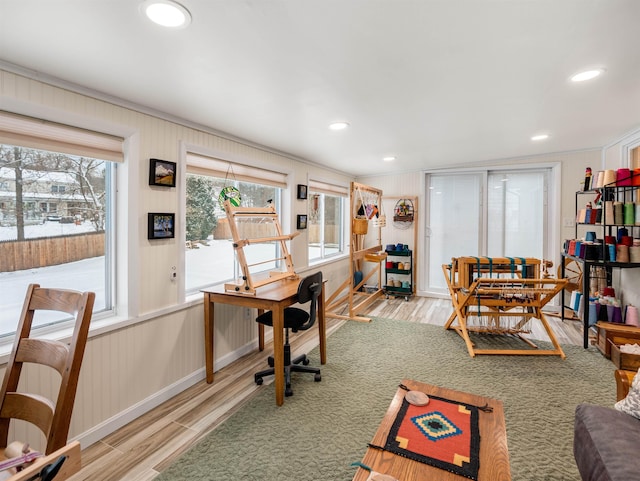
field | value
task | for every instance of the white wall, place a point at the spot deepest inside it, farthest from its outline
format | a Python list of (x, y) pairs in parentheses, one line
[(158, 349)]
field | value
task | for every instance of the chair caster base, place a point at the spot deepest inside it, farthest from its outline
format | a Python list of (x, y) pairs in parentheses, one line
[(317, 378)]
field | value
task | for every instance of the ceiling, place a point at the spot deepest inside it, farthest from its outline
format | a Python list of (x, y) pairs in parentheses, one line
[(435, 83)]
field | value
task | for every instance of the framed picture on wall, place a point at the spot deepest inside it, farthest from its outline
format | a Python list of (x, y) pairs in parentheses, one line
[(162, 173), (161, 225), (302, 221), (302, 191)]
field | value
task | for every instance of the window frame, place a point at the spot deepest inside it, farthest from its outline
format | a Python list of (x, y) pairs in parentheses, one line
[(220, 164), (323, 188), (35, 133), (112, 143)]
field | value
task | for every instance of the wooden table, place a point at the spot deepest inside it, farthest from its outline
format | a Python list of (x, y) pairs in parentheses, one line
[(494, 455), (271, 297)]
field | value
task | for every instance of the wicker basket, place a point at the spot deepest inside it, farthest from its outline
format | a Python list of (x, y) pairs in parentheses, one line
[(360, 226)]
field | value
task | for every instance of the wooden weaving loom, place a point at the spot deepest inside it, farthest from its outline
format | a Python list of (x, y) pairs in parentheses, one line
[(502, 294), (263, 225), (362, 258)]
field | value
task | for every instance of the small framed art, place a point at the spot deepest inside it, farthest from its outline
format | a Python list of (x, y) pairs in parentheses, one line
[(302, 191), (161, 225), (162, 173), (302, 221)]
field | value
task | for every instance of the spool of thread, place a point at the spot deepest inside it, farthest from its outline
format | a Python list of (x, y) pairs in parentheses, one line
[(609, 179), (634, 254), (611, 251), (577, 248), (592, 251), (590, 236), (588, 177), (618, 213), (629, 213), (607, 217), (609, 239), (602, 313), (581, 307), (572, 248), (389, 265), (623, 177), (622, 232), (599, 178), (622, 253), (626, 240), (593, 313), (637, 212), (616, 315), (636, 177), (609, 292), (631, 316), (573, 302)]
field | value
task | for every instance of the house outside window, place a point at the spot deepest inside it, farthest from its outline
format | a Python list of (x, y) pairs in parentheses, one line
[(57, 210)]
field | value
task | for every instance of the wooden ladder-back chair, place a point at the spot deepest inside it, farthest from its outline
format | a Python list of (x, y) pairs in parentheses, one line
[(51, 417)]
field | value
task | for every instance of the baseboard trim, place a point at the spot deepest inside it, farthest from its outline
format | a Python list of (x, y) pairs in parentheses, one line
[(130, 414)]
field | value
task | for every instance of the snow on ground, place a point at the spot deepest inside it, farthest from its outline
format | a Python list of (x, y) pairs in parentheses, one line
[(47, 229)]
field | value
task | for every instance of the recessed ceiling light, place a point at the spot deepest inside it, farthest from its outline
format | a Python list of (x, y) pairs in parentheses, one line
[(587, 75), (540, 137), (338, 125), (389, 158), (166, 13)]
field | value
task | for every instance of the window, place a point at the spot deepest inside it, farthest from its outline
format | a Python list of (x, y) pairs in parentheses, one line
[(326, 220), (210, 257), (66, 238)]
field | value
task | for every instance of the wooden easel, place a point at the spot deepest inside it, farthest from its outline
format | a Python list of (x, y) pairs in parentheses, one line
[(516, 291), (357, 300), (263, 219)]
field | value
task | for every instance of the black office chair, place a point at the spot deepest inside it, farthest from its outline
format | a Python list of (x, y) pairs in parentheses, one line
[(297, 320)]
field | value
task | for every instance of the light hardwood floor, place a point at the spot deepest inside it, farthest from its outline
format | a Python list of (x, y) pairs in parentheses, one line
[(146, 446)]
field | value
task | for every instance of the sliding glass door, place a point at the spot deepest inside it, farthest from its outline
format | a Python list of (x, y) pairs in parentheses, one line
[(489, 213), (455, 220)]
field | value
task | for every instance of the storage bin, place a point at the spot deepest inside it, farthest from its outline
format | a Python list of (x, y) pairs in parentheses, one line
[(624, 360)]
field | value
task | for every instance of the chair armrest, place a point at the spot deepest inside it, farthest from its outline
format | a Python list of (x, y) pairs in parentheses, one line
[(623, 383)]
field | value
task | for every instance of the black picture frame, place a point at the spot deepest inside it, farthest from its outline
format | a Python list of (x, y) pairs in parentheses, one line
[(302, 221), (162, 173), (302, 191), (161, 225)]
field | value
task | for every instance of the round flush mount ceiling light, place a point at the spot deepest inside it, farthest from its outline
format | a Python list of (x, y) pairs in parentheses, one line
[(389, 158), (338, 125), (587, 74), (539, 137), (166, 13)]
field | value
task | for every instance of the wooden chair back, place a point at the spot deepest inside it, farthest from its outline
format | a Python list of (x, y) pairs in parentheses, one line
[(51, 416)]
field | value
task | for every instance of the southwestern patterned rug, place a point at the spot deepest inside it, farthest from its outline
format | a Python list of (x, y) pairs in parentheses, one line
[(326, 426)]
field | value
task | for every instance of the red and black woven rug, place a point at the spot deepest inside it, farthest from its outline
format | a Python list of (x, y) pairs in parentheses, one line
[(443, 434)]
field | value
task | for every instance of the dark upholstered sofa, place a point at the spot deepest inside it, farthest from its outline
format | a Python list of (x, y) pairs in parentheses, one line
[(606, 441)]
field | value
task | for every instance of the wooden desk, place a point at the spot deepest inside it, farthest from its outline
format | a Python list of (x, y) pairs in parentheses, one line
[(272, 297), (494, 455)]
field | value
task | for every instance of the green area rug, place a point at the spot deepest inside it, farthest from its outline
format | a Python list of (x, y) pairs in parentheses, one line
[(326, 426)]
